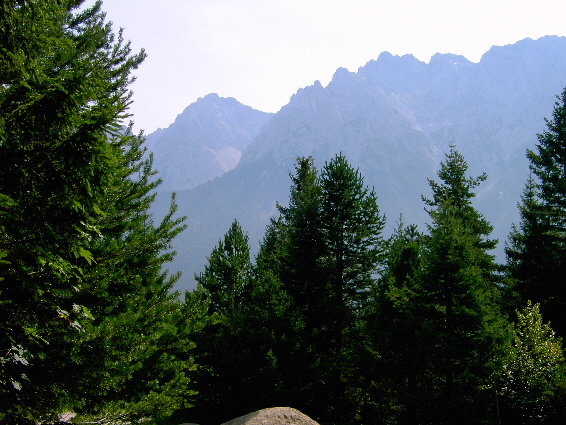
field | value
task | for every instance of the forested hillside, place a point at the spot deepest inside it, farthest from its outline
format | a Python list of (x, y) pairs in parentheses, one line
[(331, 316)]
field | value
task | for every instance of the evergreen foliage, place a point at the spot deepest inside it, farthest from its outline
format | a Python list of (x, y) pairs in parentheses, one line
[(391, 326), (236, 350), (438, 303), (329, 247), (130, 360), (87, 318), (301, 244), (537, 249), (228, 271), (351, 228), (456, 190), (330, 319), (63, 79)]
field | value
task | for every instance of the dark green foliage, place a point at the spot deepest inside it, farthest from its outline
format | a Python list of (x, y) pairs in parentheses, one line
[(324, 321), (526, 250), (440, 330), (286, 331), (87, 320), (325, 249), (227, 272), (130, 360), (301, 244), (390, 327), (237, 351), (537, 249), (351, 229), (456, 189), (63, 86), (462, 333)]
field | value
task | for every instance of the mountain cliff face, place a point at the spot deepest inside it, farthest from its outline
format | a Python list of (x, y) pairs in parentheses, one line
[(394, 119), (204, 142)]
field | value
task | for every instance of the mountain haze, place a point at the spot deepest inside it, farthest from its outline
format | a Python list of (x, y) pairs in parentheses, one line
[(205, 141), (394, 119)]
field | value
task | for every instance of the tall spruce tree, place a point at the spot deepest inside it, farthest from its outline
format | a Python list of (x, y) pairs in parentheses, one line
[(390, 328), (455, 331), (245, 350), (291, 255), (462, 333), (64, 78), (351, 227), (325, 248), (304, 245), (537, 250), (219, 346), (526, 250), (227, 272), (457, 190)]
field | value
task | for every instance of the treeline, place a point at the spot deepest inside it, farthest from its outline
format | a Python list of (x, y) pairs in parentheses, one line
[(330, 317), (419, 328)]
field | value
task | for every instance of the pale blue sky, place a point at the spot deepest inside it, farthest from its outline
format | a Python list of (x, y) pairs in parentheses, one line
[(261, 51)]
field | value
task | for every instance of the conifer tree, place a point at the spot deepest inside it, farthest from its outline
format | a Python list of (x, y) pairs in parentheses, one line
[(455, 333), (219, 346), (537, 250), (227, 272), (526, 250), (390, 327), (462, 333), (130, 361), (64, 78), (324, 249), (302, 268), (245, 351), (351, 227), (457, 190)]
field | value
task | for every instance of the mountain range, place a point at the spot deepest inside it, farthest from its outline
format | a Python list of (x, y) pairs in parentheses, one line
[(394, 119)]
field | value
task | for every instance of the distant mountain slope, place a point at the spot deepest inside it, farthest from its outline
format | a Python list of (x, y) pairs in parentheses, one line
[(394, 119), (204, 142)]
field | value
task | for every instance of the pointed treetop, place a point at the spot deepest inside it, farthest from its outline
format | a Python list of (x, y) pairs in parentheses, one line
[(455, 187)]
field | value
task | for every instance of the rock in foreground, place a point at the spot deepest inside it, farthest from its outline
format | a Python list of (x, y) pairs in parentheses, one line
[(273, 416)]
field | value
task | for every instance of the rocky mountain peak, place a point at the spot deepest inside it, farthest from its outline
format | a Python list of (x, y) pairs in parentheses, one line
[(205, 141)]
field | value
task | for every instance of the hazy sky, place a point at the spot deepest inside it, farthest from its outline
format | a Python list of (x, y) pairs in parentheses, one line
[(261, 51)]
